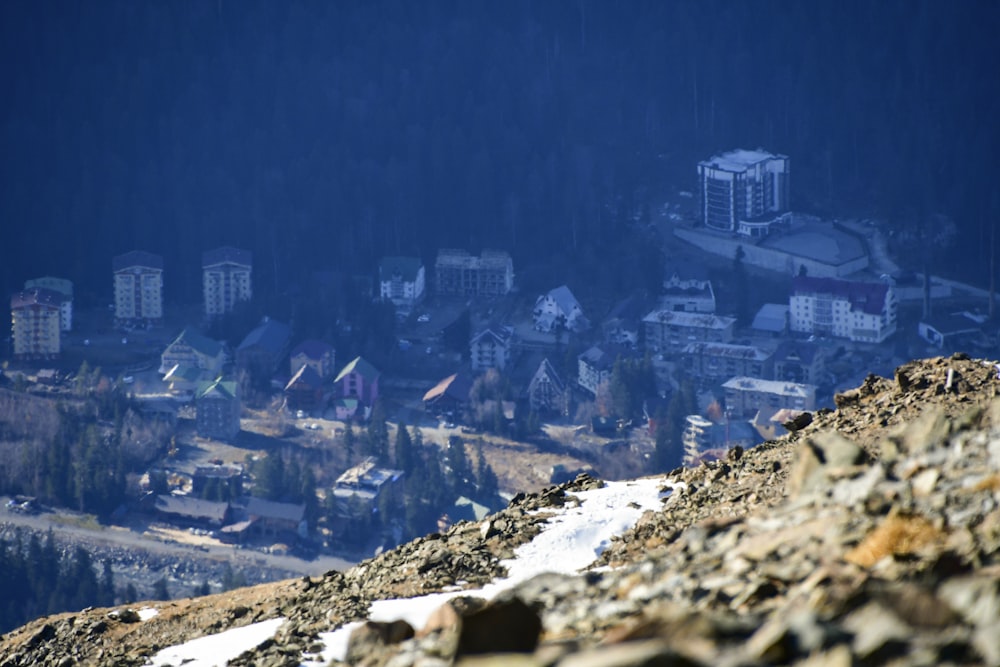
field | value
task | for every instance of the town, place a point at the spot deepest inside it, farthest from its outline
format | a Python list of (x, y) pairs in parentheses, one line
[(436, 390)]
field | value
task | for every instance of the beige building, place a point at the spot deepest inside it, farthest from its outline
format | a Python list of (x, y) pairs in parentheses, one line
[(65, 290), (35, 318), (138, 288), (226, 279)]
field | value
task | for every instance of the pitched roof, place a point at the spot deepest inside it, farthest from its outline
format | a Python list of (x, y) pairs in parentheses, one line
[(226, 255), (183, 372), (306, 375), (359, 366), (547, 370), (404, 267), (197, 342), (455, 386), (868, 298), (312, 348), (194, 508), (216, 389), (37, 296), (604, 355), (136, 258), (500, 334), (269, 509), (563, 299), (270, 335)]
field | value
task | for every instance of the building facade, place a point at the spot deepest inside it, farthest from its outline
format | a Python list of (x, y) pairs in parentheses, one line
[(62, 287), (547, 392), (861, 312), (558, 309), (746, 395), (743, 191), (321, 356), (458, 273), (35, 324), (490, 348), (401, 281), (226, 279), (217, 404), (138, 288), (669, 331), (719, 361)]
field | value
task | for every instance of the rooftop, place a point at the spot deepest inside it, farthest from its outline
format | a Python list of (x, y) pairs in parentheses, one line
[(137, 258), (226, 255), (781, 388), (869, 298), (728, 350), (740, 160), (361, 367), (684, 319)]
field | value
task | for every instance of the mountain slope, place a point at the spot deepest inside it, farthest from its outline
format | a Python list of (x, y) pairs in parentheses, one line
[(868, 536)]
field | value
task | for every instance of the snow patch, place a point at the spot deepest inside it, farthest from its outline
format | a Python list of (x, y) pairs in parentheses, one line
[(218, 649)]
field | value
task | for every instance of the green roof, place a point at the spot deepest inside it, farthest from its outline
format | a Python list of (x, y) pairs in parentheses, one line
[(199, 343), (359, 366), (218, 387)]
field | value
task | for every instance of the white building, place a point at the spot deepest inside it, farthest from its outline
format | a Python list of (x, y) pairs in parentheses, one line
[(401, 280), (688, 293), (746, 395), (65, 290), (138, 288), (491, 348), (861, 312), (559, 308), (671, 331), (743, 191), (226, 279)]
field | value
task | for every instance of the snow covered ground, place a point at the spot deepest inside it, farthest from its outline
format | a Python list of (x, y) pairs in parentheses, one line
[(570, 541)]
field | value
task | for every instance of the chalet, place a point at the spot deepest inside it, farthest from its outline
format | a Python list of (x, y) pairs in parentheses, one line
[(305, 390), (218, 408), (264, 347), (559, 309), (271, 518), (192, 349), (358, 380), (321, 356), (491, 348), (450, 395), (547, 392)]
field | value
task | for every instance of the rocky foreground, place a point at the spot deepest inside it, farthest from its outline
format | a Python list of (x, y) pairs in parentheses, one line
[(868, 535)]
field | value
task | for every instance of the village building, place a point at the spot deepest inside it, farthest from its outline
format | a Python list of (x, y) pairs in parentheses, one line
[(138, 288), (35, 324), (357, 388), (491, 348), (64, 288), (746, 395), (459, 273), (547, 393), (669, 331), (218, 408), (401, 281), (713, 362), (858, 311), (264, 348), (559, 309), (226, 279), (449, 396), (359, 492)]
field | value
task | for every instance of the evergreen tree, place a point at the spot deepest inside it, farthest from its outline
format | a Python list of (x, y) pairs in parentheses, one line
[(403, 450), (160, 589), (487, 485), (459, 473), (349, 444), (741, 287)]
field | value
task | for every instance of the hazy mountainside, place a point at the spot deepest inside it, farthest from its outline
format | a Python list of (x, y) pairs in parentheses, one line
[(868, 536)]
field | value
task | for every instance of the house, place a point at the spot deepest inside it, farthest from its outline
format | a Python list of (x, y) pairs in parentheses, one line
[(193, 350), (62, 287), (401, 281), (491, 348), (358, 380), (771, 319), (264, 347), (559, 309), (859, 311), (321, 356), (746, 395), (358, 493), (622, 325), (305, 389), (718, 361), (275, 519), (192, 511), (688, 289), (35, 323), (798, 361), (669, 331), (217, 406), (945, 330), (138, 287), (217, 482), (547, 392), (450, 395), (346, 409), (226, 273), (458, 273), (596, 364), (182, 379), (744, 191)]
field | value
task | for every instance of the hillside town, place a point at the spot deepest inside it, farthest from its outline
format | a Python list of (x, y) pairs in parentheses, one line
[(761, 314)]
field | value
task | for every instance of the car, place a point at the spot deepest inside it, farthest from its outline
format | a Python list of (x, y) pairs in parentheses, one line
[(128, 379), (424, 318), (300, 414)]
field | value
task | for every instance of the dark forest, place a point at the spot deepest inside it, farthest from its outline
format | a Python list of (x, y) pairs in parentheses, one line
[(321, 135)]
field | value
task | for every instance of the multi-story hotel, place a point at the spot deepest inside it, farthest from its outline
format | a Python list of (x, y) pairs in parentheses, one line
[(458, 273), (225, 279), (862, 312), (65, 290), (743, 191), (35, 328), (138, 288), (401, 281)]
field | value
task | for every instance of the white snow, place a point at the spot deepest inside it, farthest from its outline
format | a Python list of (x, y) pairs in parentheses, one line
[(147, 613), (570, 541), (218, 649)]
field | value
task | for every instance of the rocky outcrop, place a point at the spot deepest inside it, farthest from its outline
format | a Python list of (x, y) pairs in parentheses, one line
[(868, 535)]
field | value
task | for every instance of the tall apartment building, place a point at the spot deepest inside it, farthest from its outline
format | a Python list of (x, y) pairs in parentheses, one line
[(743, 191), (458, 273), (65, 290), (862, 312), (35, 328), (225, 279), (401, 280), (138, 288)]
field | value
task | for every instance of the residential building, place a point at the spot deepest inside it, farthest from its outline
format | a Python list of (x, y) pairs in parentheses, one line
[(669, 331), (35, 323), (798, 361), (858, 311), (547, 392), (458, 273), (705, 440), (217, 405), (719, 361), (744, 191), (264, 348), (273, 519), (192, 511), (321, 356), (358, 380), (226, 274), (491, 348), (688, 291), (622, 325), (401, 281), (192, 350), (945, 330), (559, 309), (596, 364), (305, 390), (357, 496), (62, 287), (138, 288), (450, 395), (746, 395)]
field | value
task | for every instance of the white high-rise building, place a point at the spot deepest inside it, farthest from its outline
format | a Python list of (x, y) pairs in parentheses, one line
[(744, 191), (138, 288), (226, 279)]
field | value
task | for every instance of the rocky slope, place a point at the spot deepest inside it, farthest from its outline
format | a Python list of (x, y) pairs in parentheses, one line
[(868, 536)]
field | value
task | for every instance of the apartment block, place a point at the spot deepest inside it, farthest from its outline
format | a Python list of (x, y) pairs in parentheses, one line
[(858, 311), (62, 287), (138, 288), (226, 279), (35, 324), (459, 273), (744, 191)]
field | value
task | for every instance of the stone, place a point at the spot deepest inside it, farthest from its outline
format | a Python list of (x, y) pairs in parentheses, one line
[(503, 626)]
